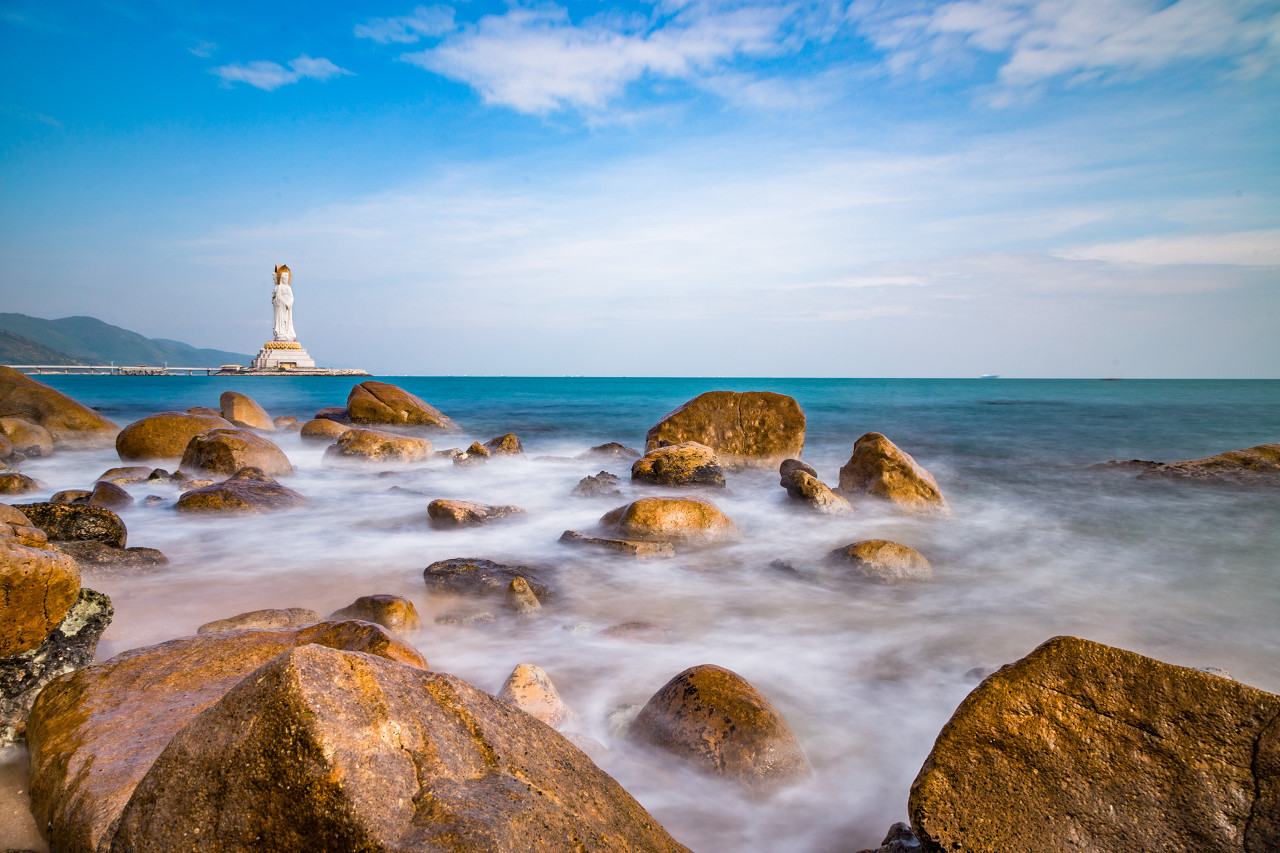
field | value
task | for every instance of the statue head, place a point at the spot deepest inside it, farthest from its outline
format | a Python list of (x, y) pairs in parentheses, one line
[(283, 275)]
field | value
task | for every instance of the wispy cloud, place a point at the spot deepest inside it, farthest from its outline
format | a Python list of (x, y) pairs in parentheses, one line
[(1244, 248), (407, 29), (269, 76), (202, 49)]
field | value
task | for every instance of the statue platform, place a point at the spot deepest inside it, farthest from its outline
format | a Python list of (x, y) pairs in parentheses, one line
[(283, 355)]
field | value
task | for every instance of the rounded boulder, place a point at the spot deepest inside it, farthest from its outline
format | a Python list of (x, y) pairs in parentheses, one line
[(374, 402), (686, 519), (881, 469), (685, 464), (228, 450), (244, 411), (752, 429), (373, 445), (164, 436), (31, 440), (883, 561)]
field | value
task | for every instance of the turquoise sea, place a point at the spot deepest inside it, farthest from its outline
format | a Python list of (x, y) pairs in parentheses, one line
[(1038, 544)]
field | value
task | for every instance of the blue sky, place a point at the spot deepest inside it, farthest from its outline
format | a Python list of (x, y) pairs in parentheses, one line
[(1021, 187)]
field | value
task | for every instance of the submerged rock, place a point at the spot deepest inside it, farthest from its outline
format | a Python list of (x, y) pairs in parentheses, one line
[(243, 411), (245, 492), (286, 423), (393, 612), (753, 429), (68, 421), (521, 599), (689, 520), (164, 436), (450, 514), (127, 475), (883, 561), (287, 617), (476, 454), (100, 556), (627, 547), (469, 575), (372, 445), (373, 402), (687, 464), (1254, 465), (602, 485), (881, 469), (611, 452), (1081, 746), (223, 452)]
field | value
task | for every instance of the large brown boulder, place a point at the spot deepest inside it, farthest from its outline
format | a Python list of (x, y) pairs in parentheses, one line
[(164, 436), (323, 430), (31, 440), (14, 524), (37, 588), (685, 464), (247, 491), (72, 523), (883, 561), (752, 429), (244, 411), (687, 519), (66, 420), (94, 734), (374, 445), (226, 451), (1255, 465), (881, 469), (375, 402), (1085, 747), (324, 749), (716, 720)]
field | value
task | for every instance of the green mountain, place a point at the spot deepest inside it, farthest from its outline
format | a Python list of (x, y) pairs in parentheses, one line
[(87, 340), (15, 349)]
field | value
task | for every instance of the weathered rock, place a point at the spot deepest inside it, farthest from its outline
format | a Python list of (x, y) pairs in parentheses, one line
[(444, 513), (286, 423), (688, 464), (375, 402), (66, 420), (68, 647), (18, 484), (110, 496), (521, 599), (31, 440), (754, 429), (883, 561), (14, 524), (688, 519), (476, 454), (103, 558), (164, 436), (329, 750), (79, 497), (243, 411), (323, 430), (628, 547), (1253, 465), (803, 486), (718, 721), (226, 451), (372, 445), (129, 474), (529, 688), (881, 469), (611, 452), (94, 733), (1085, 747), (468, 575), (505, 445), (393, 612), (246, 493), (288, 617), (37, 588), (602, 485), (899, 839), (790, 466), (69, 523)]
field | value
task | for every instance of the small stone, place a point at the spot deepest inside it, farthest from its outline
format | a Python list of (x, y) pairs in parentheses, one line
[(883, 562), (77, 497), (482, 618), (449, 514), (520, 597), (529, 688), (642, 632), (393, 612), (151, 500), (476, 454), (602, 485), (505, 445), (628, 547), (611, 452)]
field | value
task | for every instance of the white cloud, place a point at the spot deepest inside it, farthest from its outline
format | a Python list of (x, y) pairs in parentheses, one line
[(1245, 248), (268, 76), (407, 29), (202, 49)]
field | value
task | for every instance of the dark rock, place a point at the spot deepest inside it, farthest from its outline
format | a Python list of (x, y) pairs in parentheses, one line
[(468, 575), (101, 556), (151, 500), (611, 452), (900, 839), (66, 523), (628, 547), (755, 429), (602, 485), (790, 466), (223, 452), (687, 464), (18, 484), (449, 514), (110, 496), (240, 494)]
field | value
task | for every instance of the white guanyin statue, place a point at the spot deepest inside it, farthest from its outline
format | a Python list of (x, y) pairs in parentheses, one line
[(282, 301)]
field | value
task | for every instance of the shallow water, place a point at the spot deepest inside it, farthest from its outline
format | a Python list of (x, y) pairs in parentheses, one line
[(1037, 545)]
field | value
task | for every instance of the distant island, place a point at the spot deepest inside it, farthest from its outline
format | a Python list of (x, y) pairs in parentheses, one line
[(88, 340)]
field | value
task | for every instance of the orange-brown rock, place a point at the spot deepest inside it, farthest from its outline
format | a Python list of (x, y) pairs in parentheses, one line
[(626, 547), (1085, 747), (31, 440), (244, 411), (476, 454), (716, 720), (110, 496), (15, 524), (883, 561), (505, 445), (323, 430), (806, 489), (373, 445), (126, 475), (375, 402), (753, 429), (521, 598), (1254, 465), (446, 513), (242, 493), (681, 520), (881, 469), (208, 411), (37, 588), (393, 612), (71, 523), (323, 749), (71, 496), (66, 420), (95, 733), (164, 436), (285, 617), (529, 688), (18, 484), (225, 451), (686, 464), (6, 448), (285, 423)]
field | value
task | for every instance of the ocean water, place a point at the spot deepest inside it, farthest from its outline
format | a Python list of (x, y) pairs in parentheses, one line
[(1038, 544)]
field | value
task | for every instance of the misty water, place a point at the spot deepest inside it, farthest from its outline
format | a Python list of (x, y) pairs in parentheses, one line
[(1037, 545)]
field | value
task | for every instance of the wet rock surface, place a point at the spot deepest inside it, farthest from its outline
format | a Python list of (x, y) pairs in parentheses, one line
[(37, 588), (611, 452), (879, 468), (110, 496), (602, 485), (371, 445), (688, 520), (244, 492), (625, 547), (68, 421), (882, 561), (164, 436), (529, 688), (223, 452), (803, 486), (505, 445), (448, 514), (284, 617), (393, 612), (244, 411), (70, 523), (31, 440), (101, 558), (686, 464), (18, 484), (323, 430), (1258, 465), (753, 429), (469, 575), (375, 402)]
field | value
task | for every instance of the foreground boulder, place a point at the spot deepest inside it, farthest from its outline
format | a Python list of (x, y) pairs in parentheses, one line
[(753, 429), (449, 514), (244, 411), (686, 464), (222, 452), (72, 523), (883, 561), (37, 588), (66, 420), (715, 719), (804, 487), (375, 402), (373, 445), (881, 469), (164, 436), (322, 430), (472, 576), (31, 440), (1085, 747), (324, 749), (249, 490), (94, 734), (1253, 465), (689, 520)]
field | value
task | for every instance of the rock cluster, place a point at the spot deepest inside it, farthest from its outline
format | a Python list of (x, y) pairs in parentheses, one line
[(802, 485), (164, 437)]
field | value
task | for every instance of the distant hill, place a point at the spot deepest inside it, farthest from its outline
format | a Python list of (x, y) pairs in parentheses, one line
[(86, 340), (15, 349)]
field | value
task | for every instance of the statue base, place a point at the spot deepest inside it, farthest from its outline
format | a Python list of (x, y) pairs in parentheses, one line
[(283, 355)]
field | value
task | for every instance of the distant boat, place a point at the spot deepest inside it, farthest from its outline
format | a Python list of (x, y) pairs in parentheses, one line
[(989, 376)]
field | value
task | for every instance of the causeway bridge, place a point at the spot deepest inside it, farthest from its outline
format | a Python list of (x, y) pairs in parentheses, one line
[(121, 370)]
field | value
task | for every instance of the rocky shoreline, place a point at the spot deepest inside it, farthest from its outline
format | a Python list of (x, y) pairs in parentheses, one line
[(334, 733)]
